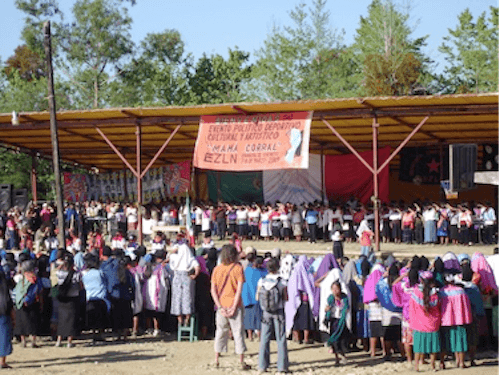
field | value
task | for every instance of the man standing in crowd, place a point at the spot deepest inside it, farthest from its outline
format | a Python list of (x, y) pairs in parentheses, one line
[(490, 222)]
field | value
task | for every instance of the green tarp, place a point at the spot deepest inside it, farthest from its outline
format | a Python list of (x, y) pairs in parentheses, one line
[(237, 187)]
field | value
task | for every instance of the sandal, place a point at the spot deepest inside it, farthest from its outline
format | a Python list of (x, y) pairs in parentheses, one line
[(245, 366), (6, 366)]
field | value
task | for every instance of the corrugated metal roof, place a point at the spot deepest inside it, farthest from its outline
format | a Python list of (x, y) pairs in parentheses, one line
[(470, 118)]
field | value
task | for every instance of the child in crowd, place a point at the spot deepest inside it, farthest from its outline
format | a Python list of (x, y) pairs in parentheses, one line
[(336, 311)]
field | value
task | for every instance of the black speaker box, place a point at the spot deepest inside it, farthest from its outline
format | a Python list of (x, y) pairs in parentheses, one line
[(20, 198), (462, 166), (5, 196)]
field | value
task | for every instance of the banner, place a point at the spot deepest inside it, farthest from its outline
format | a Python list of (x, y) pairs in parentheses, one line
[(177, 178), (253, 143), (421, 165), (294, 186), (157, 184), (346, 176), (75, 187)]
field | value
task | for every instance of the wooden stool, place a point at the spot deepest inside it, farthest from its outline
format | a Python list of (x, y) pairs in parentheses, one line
[(189, 332)]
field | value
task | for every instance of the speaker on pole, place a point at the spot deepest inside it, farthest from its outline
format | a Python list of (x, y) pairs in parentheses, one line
[(462, 166), (5, 196)]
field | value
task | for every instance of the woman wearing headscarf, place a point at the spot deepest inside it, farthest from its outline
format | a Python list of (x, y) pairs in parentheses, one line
[(185, 269), (299, 306), (7, 320), (327, 264), (365, 234), (456, 313), (252, 309), (375, 311), (325, 291), (349, 274), (28, 293)]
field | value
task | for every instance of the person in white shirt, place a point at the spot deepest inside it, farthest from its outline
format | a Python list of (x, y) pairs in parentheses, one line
[(489, 222), (464, 225), (131, 216), (430, 224), (327, 223), (198, 221), (297, 223), (254, 220), (242, 221), (206, 220), (147, 224)]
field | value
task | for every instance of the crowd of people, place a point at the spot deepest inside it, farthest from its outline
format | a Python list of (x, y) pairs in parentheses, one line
[(407, 307), (416, 223)]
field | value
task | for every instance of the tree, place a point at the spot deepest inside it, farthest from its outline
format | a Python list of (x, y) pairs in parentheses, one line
[(392, 63), (157, 75), (27, 63), (302, 61), (99, 38), (216, 80), (471, 52)]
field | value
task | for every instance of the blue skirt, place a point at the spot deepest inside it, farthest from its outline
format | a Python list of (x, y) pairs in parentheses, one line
[(5, 335), (253, 317), (363, 330)]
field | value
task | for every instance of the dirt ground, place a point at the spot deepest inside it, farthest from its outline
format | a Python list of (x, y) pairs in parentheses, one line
[(148, 355)]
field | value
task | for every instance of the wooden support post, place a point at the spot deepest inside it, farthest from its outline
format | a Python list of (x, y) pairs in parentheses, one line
[(33, 175), (375, 181), (441, 149), (54, 136), (322, 174), (196, 183), (138, 133)]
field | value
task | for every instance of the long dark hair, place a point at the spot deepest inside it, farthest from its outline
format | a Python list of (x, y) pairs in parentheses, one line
[(393, 274), (6, 304), (427, 286)]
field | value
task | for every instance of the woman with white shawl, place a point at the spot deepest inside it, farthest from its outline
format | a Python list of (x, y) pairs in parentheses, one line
[(325, 291), (185, 269)]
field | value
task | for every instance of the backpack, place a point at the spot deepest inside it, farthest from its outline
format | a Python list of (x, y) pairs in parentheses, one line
[(270, 299)]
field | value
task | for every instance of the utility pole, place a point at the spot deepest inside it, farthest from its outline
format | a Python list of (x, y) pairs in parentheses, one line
[(54, 136)]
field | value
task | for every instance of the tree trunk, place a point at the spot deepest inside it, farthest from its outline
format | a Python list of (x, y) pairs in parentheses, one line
[(96, 93)]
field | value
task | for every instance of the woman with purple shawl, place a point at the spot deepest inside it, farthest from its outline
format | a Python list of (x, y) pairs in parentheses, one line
[(298, 308), (327, 264)]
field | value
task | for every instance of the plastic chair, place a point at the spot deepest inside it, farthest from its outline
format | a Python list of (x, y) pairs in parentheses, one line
[(189, 332)]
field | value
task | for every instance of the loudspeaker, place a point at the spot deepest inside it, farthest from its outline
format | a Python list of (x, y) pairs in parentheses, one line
[(462, 166), (20, 198), (5, 196)]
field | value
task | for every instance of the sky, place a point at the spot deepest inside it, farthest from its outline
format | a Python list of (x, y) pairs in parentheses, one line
[(214, 26)]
